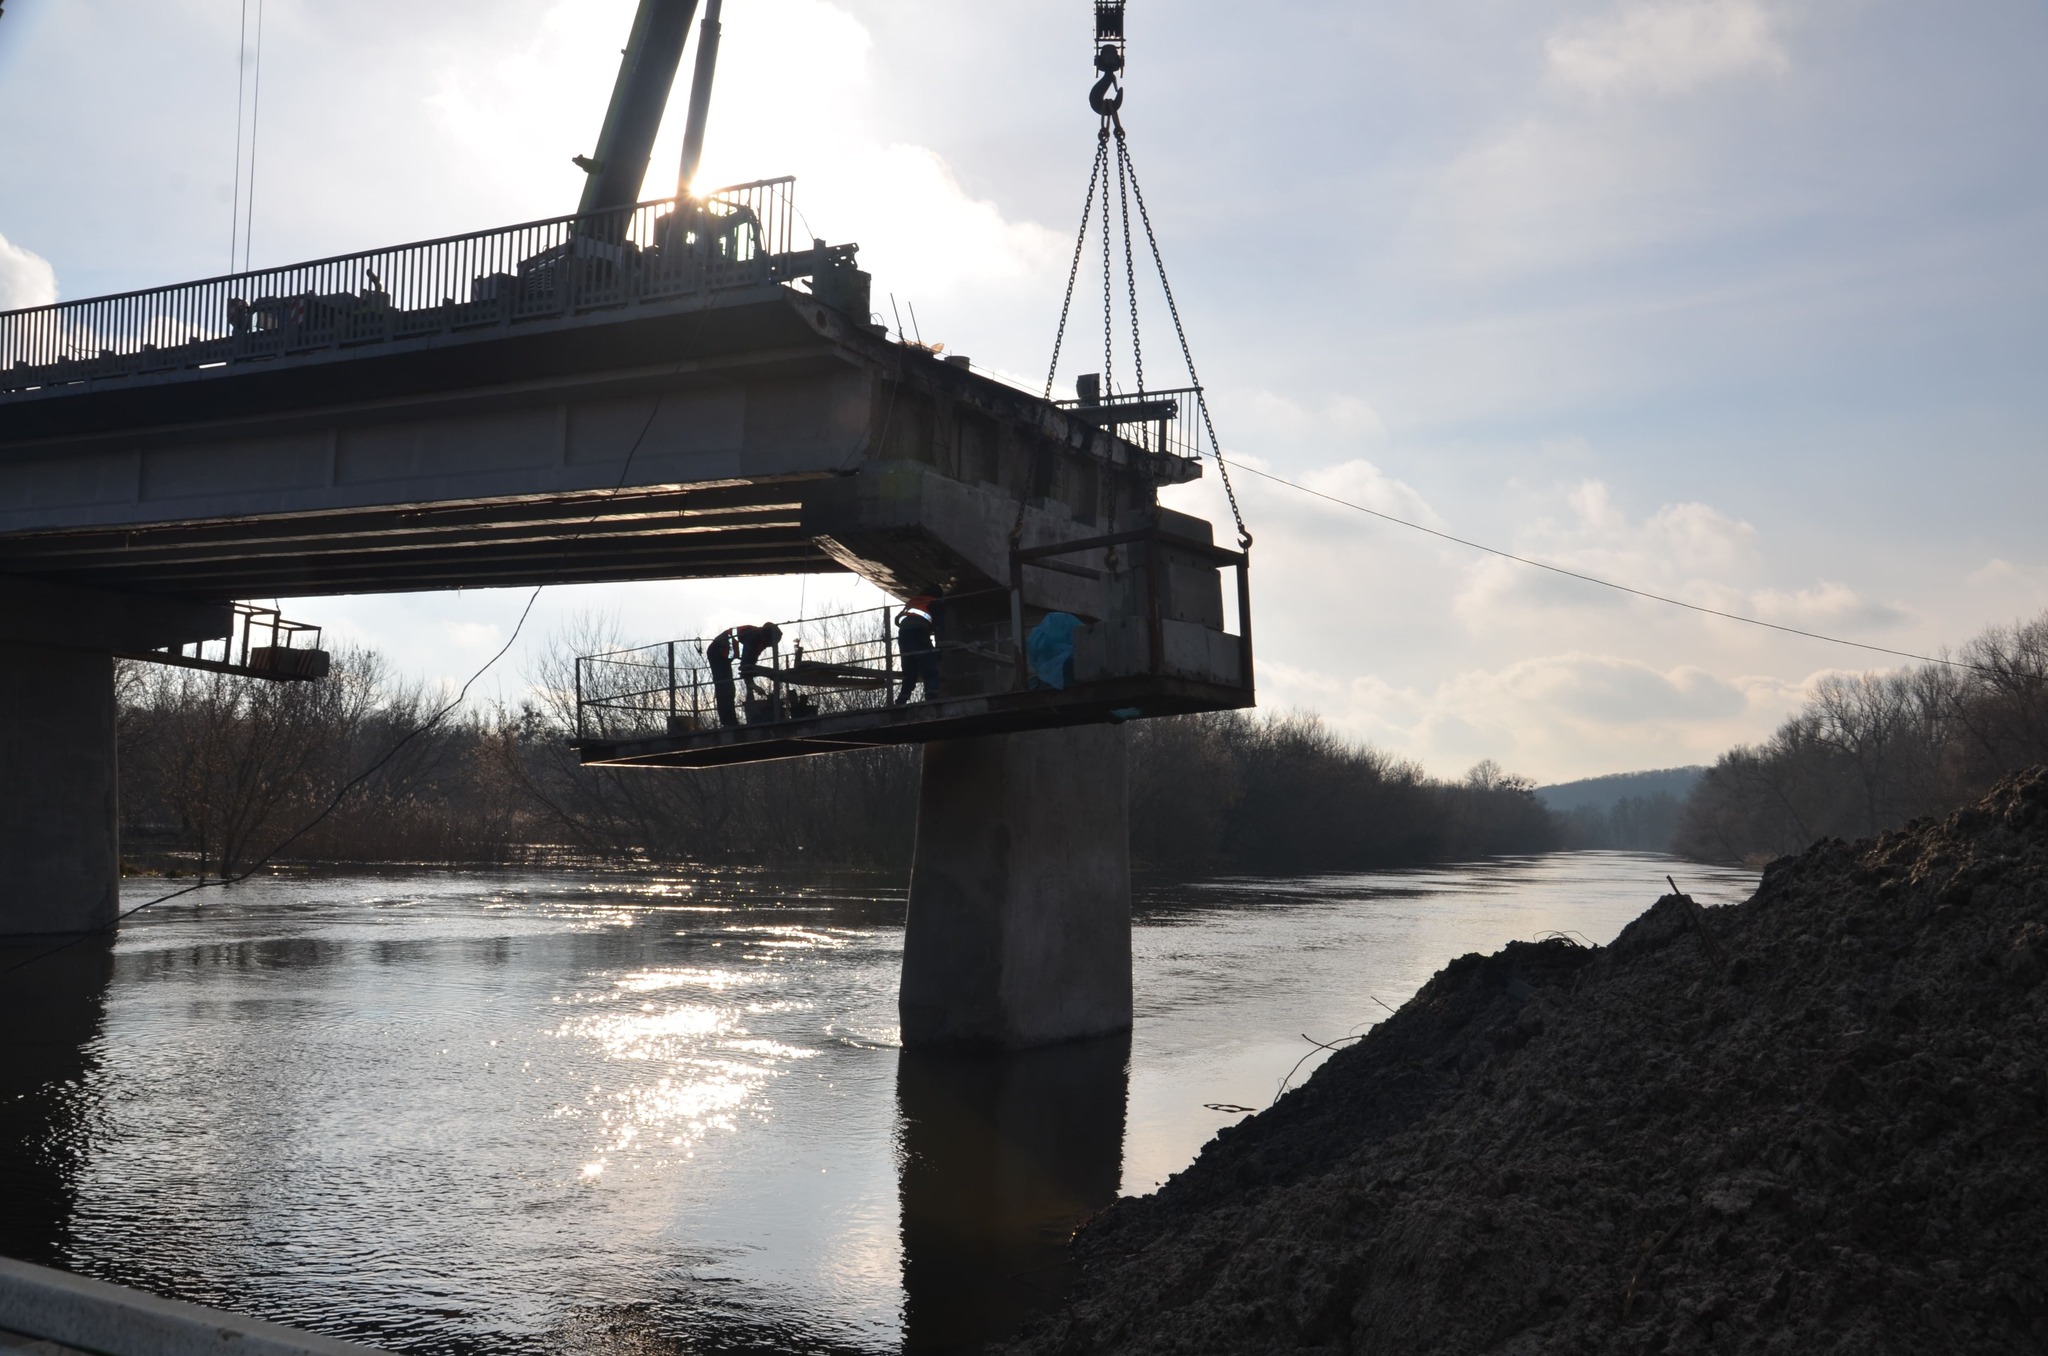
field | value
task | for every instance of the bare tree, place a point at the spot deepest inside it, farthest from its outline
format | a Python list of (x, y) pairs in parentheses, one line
[(1870, 752)]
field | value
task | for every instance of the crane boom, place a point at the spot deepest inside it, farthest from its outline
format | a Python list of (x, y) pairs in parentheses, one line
[(700, 98), (647, 72)]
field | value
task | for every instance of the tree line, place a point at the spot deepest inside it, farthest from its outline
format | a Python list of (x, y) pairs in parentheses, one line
[(218, 772), (1646, 823), (1869, 752)]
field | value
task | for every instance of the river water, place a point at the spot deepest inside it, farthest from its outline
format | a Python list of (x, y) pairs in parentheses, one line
[(613, 1113)]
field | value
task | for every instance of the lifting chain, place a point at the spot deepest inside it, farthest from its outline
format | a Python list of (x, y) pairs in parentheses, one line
[(1107, 99), (1095, 176), (1244, 536)]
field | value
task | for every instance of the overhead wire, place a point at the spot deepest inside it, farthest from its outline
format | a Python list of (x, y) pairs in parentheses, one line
[(241, 82), (1604, 583), (255, 118)]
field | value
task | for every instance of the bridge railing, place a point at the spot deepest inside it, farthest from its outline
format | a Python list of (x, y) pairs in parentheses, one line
[(732, 237)]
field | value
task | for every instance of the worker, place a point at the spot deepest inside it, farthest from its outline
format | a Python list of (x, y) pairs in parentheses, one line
[(748, 643), (916, 641)]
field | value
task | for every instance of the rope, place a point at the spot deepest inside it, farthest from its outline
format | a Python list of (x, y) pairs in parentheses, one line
[(1244, 536)]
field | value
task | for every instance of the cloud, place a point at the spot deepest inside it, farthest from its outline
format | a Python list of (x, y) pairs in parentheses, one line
[(1360, 482), (955, 244), (1826, 603), (1337, 414), (1573, 713), (1689, 551), (2001, 573), (26, 278), (1592, 171), (1603, 689), (1667, 47)]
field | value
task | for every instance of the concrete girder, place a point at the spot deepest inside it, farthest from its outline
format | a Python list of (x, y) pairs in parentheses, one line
[(543, 454), (909, 529)]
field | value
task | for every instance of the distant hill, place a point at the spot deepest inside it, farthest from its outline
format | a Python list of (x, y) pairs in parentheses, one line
[(1637, 811), (1604, 793)]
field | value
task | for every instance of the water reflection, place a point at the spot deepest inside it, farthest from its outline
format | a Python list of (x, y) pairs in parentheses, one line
[(50, 1014), (1003, 1157)]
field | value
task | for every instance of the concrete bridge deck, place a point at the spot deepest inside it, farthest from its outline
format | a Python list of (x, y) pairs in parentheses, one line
[(647, 423)]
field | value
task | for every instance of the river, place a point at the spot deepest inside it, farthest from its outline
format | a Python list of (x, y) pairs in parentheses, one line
[(650, 1113)]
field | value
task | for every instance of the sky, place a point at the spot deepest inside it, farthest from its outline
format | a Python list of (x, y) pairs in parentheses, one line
[(1739, 301)]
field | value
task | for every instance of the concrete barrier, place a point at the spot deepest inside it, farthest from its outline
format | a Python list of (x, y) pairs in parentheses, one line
[(83, 1315)]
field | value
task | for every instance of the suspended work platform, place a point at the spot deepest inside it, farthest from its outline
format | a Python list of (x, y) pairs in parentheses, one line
[(836, 683)]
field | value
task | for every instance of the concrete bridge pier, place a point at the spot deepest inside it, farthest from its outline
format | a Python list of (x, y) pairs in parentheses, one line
[(1019, 929), (60, 843), (59, 832)]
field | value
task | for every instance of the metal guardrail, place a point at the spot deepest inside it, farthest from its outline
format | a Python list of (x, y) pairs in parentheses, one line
[(733, 237), (821, 667), (1165, 422)]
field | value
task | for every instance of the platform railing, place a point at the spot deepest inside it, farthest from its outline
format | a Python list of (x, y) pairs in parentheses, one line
[(732, 237), (261, 643), (825, 666), (851, 662), (1165, 422)]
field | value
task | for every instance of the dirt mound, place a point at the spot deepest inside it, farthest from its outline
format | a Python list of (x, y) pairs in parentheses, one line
[(1813, 1122)]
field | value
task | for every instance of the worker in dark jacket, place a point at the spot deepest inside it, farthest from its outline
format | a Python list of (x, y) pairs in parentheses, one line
[(747, 643), (917, 642)]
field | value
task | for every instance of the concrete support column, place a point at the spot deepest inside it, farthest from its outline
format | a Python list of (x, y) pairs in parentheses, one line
[(60, 850), (1020, 892)]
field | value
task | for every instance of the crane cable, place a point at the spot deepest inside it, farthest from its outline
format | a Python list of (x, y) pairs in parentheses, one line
[(1106, 97)]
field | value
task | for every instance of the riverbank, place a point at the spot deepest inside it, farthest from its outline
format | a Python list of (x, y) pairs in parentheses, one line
[(1810, 1122)]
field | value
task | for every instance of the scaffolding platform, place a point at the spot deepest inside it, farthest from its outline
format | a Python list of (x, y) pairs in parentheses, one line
[(956, 718), (835, 683)]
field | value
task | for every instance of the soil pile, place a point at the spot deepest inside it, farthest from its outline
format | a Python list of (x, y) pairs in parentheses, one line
[(1813, 1122)]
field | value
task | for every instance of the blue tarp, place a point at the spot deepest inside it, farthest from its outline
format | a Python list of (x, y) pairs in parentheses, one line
[(1050, 649)]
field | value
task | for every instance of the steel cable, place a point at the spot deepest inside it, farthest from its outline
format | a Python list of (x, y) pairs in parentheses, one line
[(1609, 583)]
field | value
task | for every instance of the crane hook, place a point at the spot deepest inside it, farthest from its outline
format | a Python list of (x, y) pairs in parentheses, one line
[(1107, 96)]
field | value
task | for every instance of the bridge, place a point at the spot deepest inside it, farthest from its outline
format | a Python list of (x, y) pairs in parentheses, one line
[(641, 390)]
